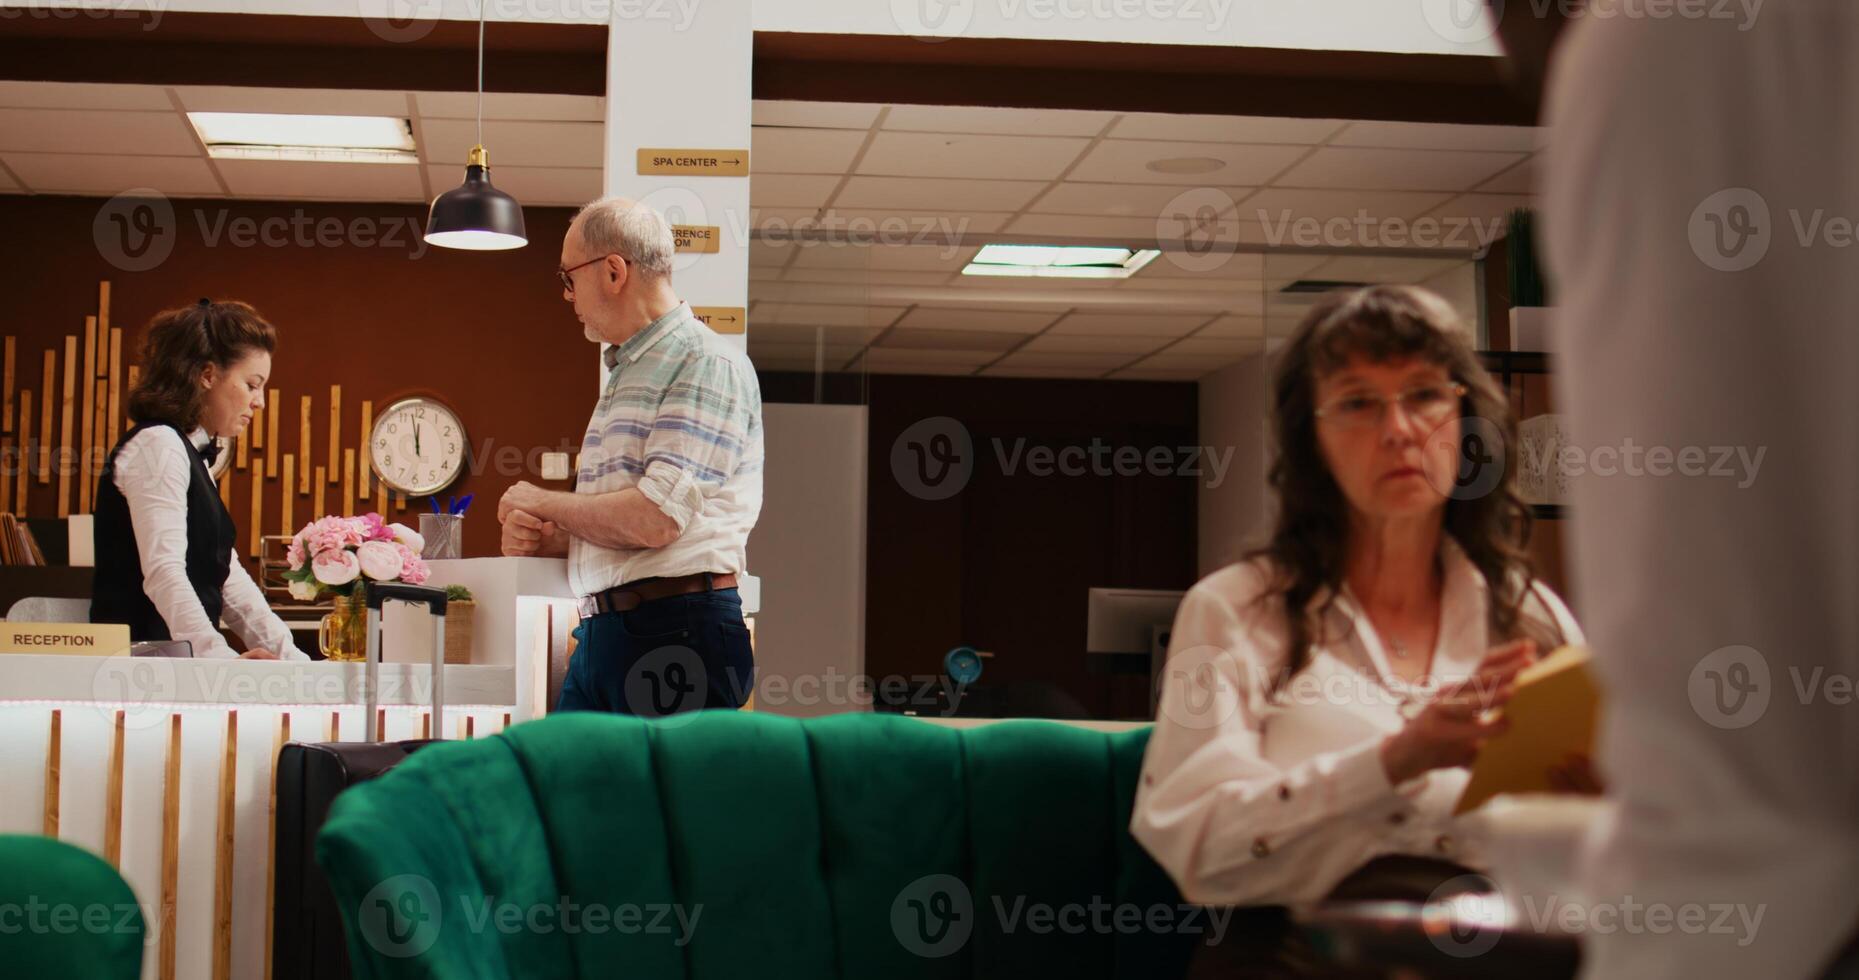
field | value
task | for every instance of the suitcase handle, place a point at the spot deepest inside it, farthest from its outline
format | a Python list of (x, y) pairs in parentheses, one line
[(374, 592)]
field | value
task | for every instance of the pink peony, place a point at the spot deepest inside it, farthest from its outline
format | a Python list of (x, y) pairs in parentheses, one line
[(295, 553), (330, 534), (380, 560), (413, 568), (407, 536), (373, 528), (338, 567)]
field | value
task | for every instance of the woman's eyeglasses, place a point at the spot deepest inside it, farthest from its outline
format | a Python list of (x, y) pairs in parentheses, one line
[(1428, 404), (567, 275)]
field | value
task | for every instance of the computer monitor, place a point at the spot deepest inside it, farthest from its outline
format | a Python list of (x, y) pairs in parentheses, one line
[(1132, 622)]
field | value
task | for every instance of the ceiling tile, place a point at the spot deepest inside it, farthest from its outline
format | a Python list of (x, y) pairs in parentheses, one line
[(1127, 161), (1221, 346), (1075, 360), (882, 366), (1273, 207), (824, 315), (865, 279), (113, 132), (803, 151), (791, 190), (1131, 324), (1520, 179), (1292, 265), (1223, 129), (852, 339), (1440, 136), (904, 258), (48, 173), (961, 155), (1204, 363), (903, 195), (817, 115), (288, 180), (761, 346), (81, 95), (1491, 211), (1414, 170), (973, 359), (1130, 232), (531, 106), (773, 254), (1155, 374), (1121, 200), (1221, 268), (981, 119), (1233, 326), (1019, 370), (296, 101), (1094, 344), (513, 143), (904, 338), (1383, 268), (7, 183), (942, 318), (911, 227)]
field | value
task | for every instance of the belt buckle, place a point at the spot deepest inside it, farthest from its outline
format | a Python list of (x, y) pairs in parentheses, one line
[(588, 606)]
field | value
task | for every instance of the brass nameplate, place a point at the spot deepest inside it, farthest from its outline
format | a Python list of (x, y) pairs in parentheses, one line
[(72, 639), (723, 319), (696, 238), (693, 163)]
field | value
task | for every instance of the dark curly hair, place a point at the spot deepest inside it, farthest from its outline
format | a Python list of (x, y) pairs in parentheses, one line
[(1308, 546), (180, 344)]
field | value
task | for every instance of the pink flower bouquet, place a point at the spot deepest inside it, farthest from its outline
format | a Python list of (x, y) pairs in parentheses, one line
[(331, 555)]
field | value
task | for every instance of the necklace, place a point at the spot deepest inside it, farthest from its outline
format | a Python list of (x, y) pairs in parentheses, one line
[(1400, 649)]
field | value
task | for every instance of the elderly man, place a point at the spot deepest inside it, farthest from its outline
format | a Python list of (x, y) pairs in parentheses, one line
[(670, 484)]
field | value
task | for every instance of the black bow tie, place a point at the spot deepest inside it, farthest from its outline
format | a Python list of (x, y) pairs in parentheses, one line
[(209, 452)]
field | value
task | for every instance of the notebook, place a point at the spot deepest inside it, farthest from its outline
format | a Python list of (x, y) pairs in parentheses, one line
[(1552, 715)]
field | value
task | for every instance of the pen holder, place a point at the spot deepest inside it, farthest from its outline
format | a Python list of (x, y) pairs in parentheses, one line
[(444, 534)]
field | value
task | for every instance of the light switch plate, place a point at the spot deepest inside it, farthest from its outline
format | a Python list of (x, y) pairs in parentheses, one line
[(555, 466)]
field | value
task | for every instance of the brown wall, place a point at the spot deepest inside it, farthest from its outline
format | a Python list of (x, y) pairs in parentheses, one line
[(487, 333)]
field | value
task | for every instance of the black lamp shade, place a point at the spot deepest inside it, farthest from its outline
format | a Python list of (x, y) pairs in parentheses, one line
[(476, 215)]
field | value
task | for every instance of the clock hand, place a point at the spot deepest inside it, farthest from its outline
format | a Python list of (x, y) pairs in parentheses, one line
[(416, 438)]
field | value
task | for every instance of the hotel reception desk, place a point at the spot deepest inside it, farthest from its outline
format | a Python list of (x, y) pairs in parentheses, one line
[(164, 767)]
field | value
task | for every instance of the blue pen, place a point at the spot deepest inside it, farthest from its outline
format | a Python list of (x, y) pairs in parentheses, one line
[(463, 504)]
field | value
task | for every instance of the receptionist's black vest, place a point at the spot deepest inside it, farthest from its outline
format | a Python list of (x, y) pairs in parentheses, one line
[(116, 591)]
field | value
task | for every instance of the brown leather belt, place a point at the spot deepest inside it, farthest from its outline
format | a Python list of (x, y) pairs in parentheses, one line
[(634, 594)]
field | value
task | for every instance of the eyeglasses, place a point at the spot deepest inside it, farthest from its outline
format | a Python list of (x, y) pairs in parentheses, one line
[(1428, 404), (567, 275)]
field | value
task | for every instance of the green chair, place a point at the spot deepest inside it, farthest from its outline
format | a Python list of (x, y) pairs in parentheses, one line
[(64, 912), (726, 844)]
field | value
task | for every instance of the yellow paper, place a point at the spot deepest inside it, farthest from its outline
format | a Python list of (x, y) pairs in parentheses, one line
[(1552, 716), (78, 639)]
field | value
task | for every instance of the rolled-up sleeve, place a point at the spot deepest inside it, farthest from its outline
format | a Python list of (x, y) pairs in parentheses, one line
[(698, 436), (1226, 823)]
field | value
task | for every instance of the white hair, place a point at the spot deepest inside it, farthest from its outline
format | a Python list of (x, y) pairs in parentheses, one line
[(633, 231)]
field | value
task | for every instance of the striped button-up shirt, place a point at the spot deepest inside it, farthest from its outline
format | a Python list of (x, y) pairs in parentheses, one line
[(680, 417)]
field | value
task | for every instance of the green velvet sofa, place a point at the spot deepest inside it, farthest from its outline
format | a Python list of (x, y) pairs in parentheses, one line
[(727, 844), (64, 912)]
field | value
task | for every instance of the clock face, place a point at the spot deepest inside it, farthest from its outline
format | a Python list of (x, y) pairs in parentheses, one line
[(417, 447)]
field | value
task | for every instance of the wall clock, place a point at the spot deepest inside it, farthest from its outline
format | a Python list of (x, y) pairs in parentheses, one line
[(417, 447), (223, 460)]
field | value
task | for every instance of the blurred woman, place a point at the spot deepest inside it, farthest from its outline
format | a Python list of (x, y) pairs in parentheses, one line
[(1323, 698), (166, 560)]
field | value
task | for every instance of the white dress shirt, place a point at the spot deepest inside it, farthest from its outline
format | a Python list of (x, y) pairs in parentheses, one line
[(1721, 605), (680, 417), (1255, 797), (153, 471)]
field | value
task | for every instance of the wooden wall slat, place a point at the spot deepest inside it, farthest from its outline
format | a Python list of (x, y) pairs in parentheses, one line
[(322, 486), (86, 414), (276, 406), (222, 855), (12, 348), (258, 427), (335, 432), (287, 492), (64, 428), (170, 848), (258, 507), (98, 451), (113, 797), (116, 385), (54, 761), (367, 424), (240, 447), (348, 483), (6, 475), (49, 381), (304, 453), (25, 454)]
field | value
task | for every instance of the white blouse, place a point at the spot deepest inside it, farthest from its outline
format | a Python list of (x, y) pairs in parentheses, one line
[(153, 471), (1255, 797)]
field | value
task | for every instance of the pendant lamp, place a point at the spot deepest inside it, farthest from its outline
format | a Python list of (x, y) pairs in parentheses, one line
[(476, 215)]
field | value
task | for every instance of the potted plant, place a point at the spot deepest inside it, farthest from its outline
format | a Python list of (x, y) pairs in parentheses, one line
[(333, 555), (1529, 296), (458, 610)]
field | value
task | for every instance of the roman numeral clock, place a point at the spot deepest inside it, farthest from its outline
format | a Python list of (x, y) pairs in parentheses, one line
[(417, 447)]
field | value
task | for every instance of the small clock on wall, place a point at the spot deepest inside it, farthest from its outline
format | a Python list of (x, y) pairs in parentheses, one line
[(417, 447)]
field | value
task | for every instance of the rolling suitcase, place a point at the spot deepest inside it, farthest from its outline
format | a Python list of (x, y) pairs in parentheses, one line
[(307, 941)]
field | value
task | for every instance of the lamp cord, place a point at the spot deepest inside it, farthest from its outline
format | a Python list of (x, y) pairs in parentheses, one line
[(481, 4)]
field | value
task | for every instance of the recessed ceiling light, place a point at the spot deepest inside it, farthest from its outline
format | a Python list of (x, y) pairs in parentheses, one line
[(1059, 261), (1186, 165), (316, 139)]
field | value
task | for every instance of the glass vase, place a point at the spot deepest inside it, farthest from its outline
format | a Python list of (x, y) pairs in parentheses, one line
[(343, 634)]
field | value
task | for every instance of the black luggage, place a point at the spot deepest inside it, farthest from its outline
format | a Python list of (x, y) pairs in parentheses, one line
[(307, 939)]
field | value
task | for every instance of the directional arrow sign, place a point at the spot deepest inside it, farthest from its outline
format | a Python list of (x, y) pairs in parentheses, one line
[(693, 163), (723, 319)]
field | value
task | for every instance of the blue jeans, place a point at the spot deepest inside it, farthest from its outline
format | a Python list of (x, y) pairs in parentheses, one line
[(679, 653)]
